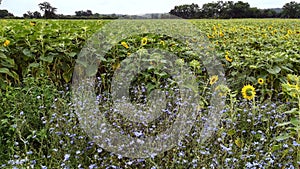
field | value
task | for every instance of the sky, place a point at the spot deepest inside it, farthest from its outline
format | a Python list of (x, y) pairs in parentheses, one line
[(68, 7)]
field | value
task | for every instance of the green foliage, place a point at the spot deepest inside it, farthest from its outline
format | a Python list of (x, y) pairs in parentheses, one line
[(291, 10), (292, 89), (24, 111), (42, 48)]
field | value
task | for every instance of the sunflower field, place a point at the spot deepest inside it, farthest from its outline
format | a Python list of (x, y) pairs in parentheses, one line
[(260, 124)]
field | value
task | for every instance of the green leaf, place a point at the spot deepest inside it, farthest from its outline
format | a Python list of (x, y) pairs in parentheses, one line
[(6, 71), (72, 54), (67, 75), (92, 70), (238, 142), (283, 124), (282, 137), (295, 121), (287, 69), (274, 70), (2, 56), (8, 62), (275, 147), (48, 58), (34, 65), (81, 62), (15, 75), (28, 53), (292, 111), (231, 132), (101, 58)]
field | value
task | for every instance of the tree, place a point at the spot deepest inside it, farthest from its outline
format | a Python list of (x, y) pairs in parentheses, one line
[(186, 11), (240, 10), (84, 13), (49, 11), (254, 13), (291, 10), (4, 14), (225, 9), (37, 14), (268, 13), (210, 10), (28, 15)]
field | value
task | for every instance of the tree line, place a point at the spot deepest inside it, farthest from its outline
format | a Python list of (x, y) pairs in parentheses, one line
[(240, 9), (49, 12), (219, 9)]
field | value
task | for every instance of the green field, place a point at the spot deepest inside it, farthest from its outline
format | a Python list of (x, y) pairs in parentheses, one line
[(260, 124)]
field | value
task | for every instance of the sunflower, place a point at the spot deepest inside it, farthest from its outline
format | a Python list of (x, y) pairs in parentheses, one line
[(213, 79), (270, 27), (125, 45), (209, 37), (260, 81), (221, 34), (32, 23), (215, 28), (6, 43), (144, 41), (248, 92), (227, 57)]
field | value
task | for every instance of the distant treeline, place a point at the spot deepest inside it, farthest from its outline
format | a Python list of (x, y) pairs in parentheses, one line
[(229, 9), (220, 9)]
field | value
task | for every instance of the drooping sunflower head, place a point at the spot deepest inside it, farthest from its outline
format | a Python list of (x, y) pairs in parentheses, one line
[(260, 81), (124, 44), (248, 92), (227, 57), (213, 79)]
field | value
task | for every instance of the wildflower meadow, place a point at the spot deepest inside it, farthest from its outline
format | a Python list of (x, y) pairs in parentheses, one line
[(260, 120)]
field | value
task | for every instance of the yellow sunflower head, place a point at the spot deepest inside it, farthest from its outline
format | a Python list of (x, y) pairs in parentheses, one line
[(248, 92), (213, 79), (260, 81), (144, 41), (124, 44), (221, 34), (6, 43), (32, 23), (227, 57)]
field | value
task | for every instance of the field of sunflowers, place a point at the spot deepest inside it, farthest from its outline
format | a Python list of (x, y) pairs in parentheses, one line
[(260, 124)]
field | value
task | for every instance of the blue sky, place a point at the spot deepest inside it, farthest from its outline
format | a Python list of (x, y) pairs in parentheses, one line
[(19, 7)]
